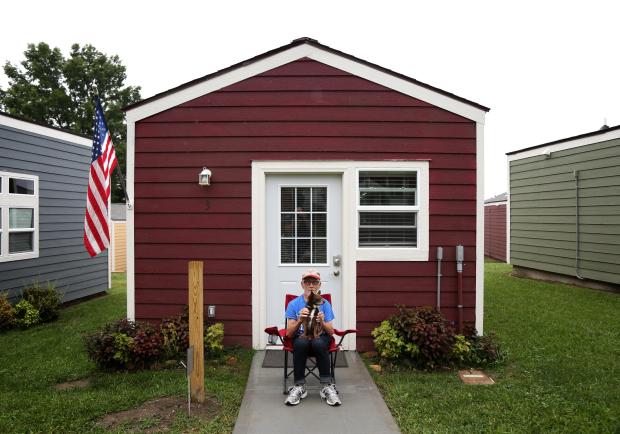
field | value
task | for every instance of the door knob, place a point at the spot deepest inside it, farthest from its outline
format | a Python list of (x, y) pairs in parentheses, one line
[(337, 260), (336, 272)]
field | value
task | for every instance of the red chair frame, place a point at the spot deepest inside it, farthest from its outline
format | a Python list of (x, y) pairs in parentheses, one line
[(287, 345)]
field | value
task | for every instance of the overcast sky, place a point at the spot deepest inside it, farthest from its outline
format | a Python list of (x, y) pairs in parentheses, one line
[(548, 70)]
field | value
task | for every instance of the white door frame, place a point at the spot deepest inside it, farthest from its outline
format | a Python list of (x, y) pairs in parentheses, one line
[(260, 169)]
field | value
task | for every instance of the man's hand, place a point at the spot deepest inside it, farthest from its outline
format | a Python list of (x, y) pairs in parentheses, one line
[(304, 312), (320, 317)]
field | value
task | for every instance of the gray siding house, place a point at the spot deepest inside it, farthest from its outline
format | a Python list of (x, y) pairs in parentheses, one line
[(43, 181), (564, 209)]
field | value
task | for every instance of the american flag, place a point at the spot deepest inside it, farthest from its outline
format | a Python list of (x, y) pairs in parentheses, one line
[(103, 162)]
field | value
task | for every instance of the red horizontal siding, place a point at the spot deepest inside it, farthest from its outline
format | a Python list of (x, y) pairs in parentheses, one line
[(301, 111), (495, 244)]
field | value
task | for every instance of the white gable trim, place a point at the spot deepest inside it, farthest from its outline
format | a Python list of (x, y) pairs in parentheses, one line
[(583, 141), (295, 53), (48, 132)]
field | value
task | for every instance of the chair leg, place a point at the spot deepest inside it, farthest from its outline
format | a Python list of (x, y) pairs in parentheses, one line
[(333, 358), (285, 372)]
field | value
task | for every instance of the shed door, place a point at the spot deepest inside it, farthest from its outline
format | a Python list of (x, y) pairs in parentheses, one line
[(304, 230)]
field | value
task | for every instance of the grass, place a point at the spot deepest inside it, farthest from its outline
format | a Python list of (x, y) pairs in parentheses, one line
[(33, 361), (562, 372)]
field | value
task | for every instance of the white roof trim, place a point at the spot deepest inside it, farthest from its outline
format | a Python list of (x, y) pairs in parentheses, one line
[(541, 150), (44, 131), (297, 52)]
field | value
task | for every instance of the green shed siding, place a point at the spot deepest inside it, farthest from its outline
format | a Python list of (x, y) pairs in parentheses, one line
[(542, 211)]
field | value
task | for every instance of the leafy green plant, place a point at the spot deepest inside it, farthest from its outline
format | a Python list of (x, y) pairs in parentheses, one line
[(26, 315), (461, 351), (122, 348), (7, 313), (429, 331), (390, 344), (214, 335), (45, 299)]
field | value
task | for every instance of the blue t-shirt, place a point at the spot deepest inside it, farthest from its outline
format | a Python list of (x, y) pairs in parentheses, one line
[(296, 305)]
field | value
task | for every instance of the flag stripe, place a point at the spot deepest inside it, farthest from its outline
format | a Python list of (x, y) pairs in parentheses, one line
[(103, 162)]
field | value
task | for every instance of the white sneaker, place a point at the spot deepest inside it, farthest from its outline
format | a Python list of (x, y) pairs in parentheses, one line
[(296, 394), (330, 395)]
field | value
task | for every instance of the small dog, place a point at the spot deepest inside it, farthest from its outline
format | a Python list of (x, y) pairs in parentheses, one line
[(313, 328)]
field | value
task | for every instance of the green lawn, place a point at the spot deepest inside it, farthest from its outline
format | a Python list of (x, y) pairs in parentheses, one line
[(562, 373), (34, 360)]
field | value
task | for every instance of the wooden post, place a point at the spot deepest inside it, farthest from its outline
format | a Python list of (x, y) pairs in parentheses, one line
[(196, 330)]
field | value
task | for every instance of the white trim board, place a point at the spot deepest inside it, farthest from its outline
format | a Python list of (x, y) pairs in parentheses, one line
[(48, 132), (480, 228), (295, 53), (583, 141)]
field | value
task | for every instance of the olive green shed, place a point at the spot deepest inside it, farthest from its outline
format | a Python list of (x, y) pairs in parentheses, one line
[(564, 206)]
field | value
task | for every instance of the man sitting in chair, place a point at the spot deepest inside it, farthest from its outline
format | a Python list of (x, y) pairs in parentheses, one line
[(316, 344)]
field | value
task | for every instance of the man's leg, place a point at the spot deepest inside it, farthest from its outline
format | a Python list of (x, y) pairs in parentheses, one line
[(301, 348), (320, 350)]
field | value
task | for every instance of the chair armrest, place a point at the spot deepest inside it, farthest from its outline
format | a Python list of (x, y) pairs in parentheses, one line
[(343, 333), (272, 331)]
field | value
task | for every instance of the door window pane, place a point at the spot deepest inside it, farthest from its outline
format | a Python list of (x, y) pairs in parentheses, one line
[(303, 220), (21, 186)]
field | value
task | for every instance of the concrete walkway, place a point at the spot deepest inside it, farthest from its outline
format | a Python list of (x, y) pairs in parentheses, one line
[(362, 411)]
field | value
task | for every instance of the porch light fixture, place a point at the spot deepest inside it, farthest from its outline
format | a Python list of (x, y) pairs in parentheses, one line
[(204, 178)]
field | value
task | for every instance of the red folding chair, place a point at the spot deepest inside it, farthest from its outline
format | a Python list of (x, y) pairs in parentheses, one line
[(287, 346)]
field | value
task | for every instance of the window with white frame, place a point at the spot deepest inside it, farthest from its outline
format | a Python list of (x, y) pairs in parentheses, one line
[(19, 216), (392, 212)]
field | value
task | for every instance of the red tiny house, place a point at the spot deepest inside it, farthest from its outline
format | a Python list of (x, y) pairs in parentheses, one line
[(495, 245), (303, 109)]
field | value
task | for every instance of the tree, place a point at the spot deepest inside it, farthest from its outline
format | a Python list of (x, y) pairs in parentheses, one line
[(60, 92)]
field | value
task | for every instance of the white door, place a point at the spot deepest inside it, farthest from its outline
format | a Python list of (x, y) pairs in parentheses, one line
[(303, 219)]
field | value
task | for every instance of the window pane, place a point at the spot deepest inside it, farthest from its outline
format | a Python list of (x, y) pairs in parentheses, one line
[(287, 199), (287, 254), (303, 251), (387, 229), (303, 225), (21, 218), (319, 225), (303, 199), (288, 225), (20, 242), (21, 186), (319, 252), (319, 199), (388, 188)]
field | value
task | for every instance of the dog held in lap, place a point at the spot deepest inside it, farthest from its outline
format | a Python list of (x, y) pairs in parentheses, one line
[(312, 327)]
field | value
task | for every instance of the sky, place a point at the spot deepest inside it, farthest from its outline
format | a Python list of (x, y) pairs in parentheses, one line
[(547, 70)]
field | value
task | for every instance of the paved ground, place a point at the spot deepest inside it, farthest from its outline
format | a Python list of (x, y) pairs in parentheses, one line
[(363, 410)]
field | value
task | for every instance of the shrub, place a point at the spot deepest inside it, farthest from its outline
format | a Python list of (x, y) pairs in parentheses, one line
[(44, 299), (429, 331), (123, 344), (147, 346), (175, 336), (486, 350), (390, 344), (26, 315), (7, 313), (214, 335), (462, 350)]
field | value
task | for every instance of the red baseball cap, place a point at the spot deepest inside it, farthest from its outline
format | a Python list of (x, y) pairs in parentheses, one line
[(311, 273)]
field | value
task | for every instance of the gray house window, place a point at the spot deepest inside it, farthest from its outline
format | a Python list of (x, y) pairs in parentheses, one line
[(19, 216)]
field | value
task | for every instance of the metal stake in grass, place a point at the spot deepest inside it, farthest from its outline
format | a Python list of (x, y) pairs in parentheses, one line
[(189, 367)]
